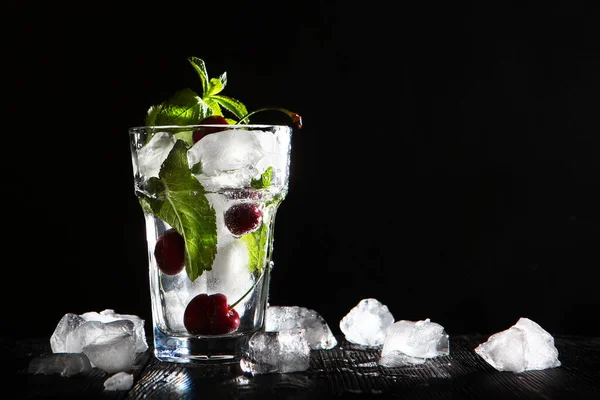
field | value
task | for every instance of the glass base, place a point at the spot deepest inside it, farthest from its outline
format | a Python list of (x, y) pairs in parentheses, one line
[(199, 350)]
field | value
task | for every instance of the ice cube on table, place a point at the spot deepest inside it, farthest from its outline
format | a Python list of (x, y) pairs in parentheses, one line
[(154, 153), (112, 353), (119, 381), (68, 323), (119, 328), (524, 346), (85, 334), (410, 342), (294, 318), (66, 364), (109, 315), (276, 352), (396, 358), (90, 331), (367, 322), (540, 352), (108, 340), (504, 350)]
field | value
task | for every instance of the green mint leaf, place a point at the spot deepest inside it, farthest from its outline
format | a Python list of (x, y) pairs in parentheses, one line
[(187, 108), (256, 242), (214, 106), (200, 68), (184, 108), (264, 181), (216, 85), (186, 136), (151, 115), (234, 106), (196, 168), (147, 204), (179, 200)]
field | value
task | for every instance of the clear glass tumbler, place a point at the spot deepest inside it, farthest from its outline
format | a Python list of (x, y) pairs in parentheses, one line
[(209, 194)]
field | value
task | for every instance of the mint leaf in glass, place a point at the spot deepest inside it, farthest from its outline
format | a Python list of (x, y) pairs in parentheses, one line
[(264, 181), (256, 242), (179, 199)]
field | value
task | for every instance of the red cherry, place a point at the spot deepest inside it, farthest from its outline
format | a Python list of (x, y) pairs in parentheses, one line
[(212, 120), (210, 315), (169, 252), (219, 302), (196, 317), (243, 218)]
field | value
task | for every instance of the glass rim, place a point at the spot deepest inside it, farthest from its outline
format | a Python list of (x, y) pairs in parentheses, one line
[(194, 126)]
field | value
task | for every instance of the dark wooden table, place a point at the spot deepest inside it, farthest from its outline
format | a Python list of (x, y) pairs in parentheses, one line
[(347, 371)]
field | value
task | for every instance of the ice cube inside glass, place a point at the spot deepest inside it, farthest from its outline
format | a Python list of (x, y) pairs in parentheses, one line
[(209, 208)]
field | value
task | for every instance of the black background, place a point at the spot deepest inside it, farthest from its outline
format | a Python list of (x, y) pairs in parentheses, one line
[(448, 164)]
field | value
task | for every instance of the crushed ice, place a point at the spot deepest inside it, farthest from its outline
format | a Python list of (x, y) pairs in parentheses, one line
[(105, 340), (276, 352), (110, 341), (525, 346), (410, 342), (119, 381), (367, 322), (295, 318)]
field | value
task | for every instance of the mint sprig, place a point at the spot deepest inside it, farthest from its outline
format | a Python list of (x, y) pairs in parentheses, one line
[(179, 199), (211, 89), (186, 107), (183, 108)]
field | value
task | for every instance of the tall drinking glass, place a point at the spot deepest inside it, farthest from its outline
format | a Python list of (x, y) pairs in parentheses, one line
[(209, 195)]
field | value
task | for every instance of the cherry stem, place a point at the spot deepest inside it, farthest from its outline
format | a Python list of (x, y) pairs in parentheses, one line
[(296, 118), (245, 294)]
